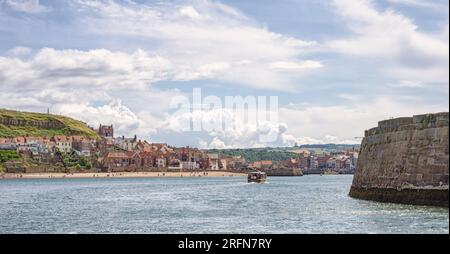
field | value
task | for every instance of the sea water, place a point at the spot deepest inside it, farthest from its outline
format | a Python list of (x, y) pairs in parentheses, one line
[(308, 204)]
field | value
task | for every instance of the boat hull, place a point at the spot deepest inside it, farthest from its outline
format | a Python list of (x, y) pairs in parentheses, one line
[(256, 180)]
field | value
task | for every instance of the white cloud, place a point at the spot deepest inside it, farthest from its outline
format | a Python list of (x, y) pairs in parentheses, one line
[(410, 83), (421, 75), (342, 123), (19, 51), (216, 143), (86, 85), (296, 66), (224, 128), (81, 84), (300, 124), (348, 96), (209, 40), (395, 40), (420, 3), (99, 68), (204, 40), (123, 119), (28, 6), (190, 12)]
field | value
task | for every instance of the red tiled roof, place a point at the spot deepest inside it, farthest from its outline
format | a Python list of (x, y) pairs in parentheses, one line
[(6, 140), (77, 138), (34, 139), (130, 154), (62, 138), (121, 155), (146, 154), (19, 139)]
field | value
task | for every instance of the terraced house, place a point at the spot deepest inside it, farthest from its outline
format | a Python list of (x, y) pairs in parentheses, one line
[(63, 143)]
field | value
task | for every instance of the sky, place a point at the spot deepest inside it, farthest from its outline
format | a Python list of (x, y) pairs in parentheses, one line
[(336, 67)]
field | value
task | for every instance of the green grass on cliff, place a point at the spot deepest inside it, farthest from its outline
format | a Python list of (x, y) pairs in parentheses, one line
[(71, 126), (7, 156)]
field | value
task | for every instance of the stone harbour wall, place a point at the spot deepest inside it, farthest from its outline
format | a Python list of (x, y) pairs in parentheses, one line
[(405, 160)]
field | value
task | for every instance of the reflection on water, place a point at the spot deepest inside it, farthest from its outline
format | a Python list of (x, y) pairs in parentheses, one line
[(308, 204)]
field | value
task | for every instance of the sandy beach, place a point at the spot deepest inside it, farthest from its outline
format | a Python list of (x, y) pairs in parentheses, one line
[(119, 175)]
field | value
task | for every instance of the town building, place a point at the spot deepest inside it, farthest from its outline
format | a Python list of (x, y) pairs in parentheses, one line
[(175, 164), (63, 143), (213, 161), (143, 146), (161, 162), (116, 160), (20, 141), (147, 159), (304, 163), (106, 131), (7, 144), (82, 145), (104, 146), (127, 144)]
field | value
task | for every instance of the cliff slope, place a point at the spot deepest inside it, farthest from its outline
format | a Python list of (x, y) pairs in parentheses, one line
[(405, 160), (15, 123)]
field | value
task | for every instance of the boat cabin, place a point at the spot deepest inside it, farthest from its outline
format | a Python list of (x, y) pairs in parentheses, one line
[(257, 177)]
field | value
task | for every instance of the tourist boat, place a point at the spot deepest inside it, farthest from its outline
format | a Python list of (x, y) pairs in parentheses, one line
[(257, 177)]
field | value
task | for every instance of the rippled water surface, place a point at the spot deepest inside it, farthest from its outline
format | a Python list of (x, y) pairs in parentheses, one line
[(308, 204)]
